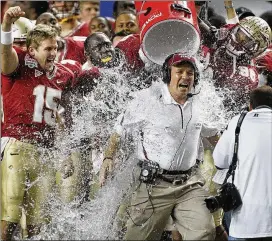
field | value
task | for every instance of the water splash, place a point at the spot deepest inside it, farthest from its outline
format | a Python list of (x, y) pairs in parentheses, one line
[(98, 112)]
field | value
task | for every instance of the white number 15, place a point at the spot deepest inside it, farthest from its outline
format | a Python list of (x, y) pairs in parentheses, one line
[(47, 95)]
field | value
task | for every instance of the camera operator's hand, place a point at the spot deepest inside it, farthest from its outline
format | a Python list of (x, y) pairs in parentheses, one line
[(105, 170), (221, 234)]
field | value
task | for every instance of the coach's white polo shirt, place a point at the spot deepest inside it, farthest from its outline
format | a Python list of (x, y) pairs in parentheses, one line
[(253, 175), (170, 131)]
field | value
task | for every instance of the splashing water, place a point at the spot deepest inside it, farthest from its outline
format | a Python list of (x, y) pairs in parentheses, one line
[(98, 112)]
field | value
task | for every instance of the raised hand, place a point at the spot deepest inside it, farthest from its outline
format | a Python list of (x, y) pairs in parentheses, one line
[(12, 14)]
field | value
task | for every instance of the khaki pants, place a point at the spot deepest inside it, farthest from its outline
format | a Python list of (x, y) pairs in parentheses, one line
[(26, 181), (149, 213)]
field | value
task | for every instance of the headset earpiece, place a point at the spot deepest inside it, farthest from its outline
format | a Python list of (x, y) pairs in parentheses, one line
[(166, 70)]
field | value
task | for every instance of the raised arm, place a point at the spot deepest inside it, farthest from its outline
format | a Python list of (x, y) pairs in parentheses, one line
[(9, 58), (232, 17)]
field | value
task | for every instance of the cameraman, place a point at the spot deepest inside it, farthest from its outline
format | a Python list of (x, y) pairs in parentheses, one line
[(168, 127), (253, 173)]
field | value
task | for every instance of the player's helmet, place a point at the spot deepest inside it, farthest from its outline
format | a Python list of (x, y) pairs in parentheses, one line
[(20, 28), (64, 10), (251, 36)]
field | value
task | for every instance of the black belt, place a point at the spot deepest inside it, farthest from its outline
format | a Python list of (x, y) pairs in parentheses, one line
[(180, 180), (166, 172), (178, 177)]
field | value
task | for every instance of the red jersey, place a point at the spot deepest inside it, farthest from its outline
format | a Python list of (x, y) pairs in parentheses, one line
[(31, 100), (72, 65), (73, 49), (130, 46), (80, 30)]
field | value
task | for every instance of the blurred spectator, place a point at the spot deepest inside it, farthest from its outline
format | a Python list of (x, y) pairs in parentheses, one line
[(100, 24), (121, 6), (243, 12), (67, 13), (267, 16), (126, 21), (88, 10), (49, 19), (69, 47), (32, 9)]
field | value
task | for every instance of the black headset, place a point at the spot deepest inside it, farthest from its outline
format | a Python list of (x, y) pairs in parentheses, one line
[(166, 71)]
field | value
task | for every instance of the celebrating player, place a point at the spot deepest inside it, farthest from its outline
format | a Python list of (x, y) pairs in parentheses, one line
[(32, 85)]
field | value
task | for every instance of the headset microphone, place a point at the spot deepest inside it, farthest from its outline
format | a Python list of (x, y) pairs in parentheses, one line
[(190, 95)]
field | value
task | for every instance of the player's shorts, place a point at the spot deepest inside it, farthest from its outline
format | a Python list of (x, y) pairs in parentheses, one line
[(26, 181)]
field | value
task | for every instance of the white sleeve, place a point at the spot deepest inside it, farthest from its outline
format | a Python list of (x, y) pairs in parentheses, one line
[(223, 151)]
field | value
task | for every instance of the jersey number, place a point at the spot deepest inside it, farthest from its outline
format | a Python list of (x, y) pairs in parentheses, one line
[(46, 97)]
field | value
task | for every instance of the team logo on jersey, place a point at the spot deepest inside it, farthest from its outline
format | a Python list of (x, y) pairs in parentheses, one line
[(30, 62), (38, 73)]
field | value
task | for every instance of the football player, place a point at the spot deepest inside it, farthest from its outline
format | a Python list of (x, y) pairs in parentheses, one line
[(67, 13), (100, 54), (101, 24), (231, 61), (32, 85)]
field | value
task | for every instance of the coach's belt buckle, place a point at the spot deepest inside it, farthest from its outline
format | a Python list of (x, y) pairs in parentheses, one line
[(180, 180)]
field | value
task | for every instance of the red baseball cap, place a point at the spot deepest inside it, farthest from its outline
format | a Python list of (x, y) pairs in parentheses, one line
[(178, 58)]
